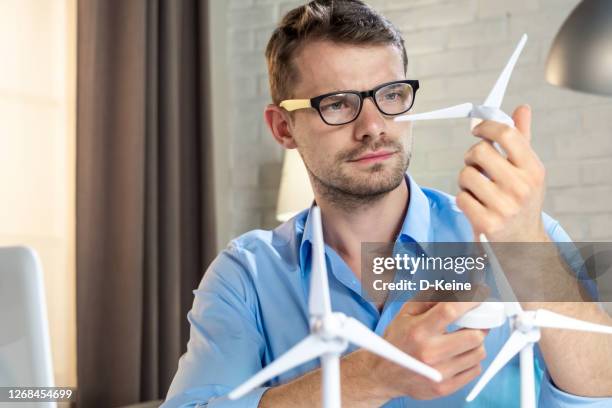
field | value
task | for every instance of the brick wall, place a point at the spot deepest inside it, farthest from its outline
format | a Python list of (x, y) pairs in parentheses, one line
[(456, 49)]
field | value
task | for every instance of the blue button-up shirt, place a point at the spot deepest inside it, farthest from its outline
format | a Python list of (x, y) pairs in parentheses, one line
[(251, 307)]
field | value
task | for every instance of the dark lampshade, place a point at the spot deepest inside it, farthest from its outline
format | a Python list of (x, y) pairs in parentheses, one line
[(581, 55)]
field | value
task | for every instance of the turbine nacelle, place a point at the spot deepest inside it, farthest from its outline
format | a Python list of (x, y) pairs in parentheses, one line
[(525, 323), (328, 327), (491, 113)]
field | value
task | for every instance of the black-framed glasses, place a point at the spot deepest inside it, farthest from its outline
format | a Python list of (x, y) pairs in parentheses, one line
[(340, 108)]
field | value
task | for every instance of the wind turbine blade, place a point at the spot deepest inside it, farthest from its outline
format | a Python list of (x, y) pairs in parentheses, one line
[(306, 350), (319, 303), (528, 392), (515, 343), (499, 89), (511, 304), (357, 333), (552, 320), (457, 111)]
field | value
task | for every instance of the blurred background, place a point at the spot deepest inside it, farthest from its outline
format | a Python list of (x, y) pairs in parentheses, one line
[(37, 153), (133, 148)]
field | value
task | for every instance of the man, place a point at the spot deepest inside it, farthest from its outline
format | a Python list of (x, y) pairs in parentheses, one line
[(251, 306)]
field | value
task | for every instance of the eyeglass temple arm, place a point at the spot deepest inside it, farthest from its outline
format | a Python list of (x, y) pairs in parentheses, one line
[(294, 104)]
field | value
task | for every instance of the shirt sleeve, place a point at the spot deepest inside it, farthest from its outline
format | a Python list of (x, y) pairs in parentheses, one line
[(553, 397), (554, 230), (226, 345)]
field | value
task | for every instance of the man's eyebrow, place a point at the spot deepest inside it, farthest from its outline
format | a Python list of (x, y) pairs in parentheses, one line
[(389, 83), (340, 90), (334, 90)]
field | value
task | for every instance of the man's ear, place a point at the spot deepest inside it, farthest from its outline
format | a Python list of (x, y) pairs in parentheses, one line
[(278, 122)]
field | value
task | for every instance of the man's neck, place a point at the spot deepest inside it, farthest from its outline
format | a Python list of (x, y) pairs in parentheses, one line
[(378, 221)]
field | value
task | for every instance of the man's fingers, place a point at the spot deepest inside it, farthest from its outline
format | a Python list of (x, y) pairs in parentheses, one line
[(456, 343), (449, 386), (481, 187), (509, 139), (473, 209), (443, 314), (464, 377), (484, 156), (416, 307), (462, 362), (522, 120)]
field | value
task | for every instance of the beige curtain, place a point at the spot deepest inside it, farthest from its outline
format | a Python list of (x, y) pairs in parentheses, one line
[(145, 223)]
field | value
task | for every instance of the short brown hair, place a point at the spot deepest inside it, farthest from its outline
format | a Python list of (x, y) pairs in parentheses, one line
[(345, 21)]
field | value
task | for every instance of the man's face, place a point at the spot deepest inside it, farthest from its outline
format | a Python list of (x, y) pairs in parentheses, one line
[(368, 156)]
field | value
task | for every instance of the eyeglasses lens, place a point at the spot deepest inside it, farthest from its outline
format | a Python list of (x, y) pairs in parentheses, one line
[(339, 108), (394, 99)]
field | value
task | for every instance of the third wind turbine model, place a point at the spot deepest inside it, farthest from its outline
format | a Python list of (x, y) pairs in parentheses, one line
[(525, 325)]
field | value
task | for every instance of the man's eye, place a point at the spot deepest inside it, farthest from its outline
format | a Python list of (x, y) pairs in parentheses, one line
[(335, 106), (393, 96)]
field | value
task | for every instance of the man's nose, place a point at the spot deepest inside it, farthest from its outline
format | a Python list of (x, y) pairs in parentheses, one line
[(370, 122)]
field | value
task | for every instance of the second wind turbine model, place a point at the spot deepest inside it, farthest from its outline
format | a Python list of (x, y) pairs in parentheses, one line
[(330, 334)]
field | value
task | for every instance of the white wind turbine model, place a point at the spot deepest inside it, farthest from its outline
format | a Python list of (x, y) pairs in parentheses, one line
[(330, 334), (526, 325), (489, 110)]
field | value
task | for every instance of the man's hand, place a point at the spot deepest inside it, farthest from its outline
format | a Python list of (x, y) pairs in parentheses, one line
[(419, 329), (368, 380), (506, 205)]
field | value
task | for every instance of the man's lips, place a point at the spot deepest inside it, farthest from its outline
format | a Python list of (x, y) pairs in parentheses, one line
[(374, 156)]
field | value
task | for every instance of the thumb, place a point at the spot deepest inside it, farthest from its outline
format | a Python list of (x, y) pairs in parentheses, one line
[(522, 120)]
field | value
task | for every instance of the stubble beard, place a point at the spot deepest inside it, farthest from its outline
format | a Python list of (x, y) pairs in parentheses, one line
[(351, 190)]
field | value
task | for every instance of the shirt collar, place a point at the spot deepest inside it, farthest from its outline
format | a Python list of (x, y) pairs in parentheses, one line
[(305, 224), (416, 225)]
